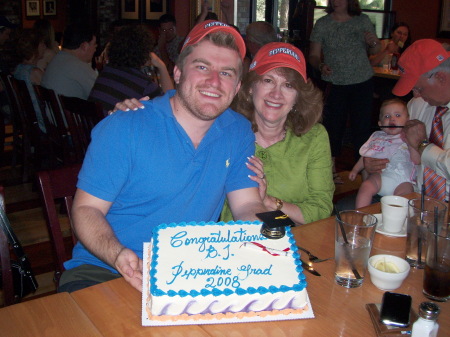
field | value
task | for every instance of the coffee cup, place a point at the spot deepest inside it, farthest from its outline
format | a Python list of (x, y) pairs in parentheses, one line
[(393, 210)]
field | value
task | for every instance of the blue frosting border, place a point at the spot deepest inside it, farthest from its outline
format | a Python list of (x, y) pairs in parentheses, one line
[(227, 291)]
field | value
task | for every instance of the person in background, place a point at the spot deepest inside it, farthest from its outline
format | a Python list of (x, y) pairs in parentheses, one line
[(30, 49), (123, 77), (345, 36), (174, 160), (257, 34), (399, 41), (399, 175), (45, 29), (70, 72), (425, 69), (169, 43), (292, 160)]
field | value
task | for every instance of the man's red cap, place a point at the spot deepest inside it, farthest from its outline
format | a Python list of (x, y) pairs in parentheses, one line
[(418, 59), (276, 55), (209, 26)]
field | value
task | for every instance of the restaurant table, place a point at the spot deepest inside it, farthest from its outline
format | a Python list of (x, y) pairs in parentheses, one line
[(380, 72), (115, 307), (54, 315)]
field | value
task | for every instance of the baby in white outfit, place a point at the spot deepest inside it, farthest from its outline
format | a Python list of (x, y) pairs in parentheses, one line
[(398, 176)]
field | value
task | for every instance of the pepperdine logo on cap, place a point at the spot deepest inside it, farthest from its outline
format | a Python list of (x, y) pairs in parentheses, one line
[(276, 55), (418, 59), (209, 26)]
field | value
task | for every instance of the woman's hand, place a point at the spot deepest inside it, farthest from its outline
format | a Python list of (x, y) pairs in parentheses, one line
[(129, 104), (325, 70), (256, 165)]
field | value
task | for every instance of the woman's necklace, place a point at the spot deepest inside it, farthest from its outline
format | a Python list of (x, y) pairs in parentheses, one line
[(266, 143)]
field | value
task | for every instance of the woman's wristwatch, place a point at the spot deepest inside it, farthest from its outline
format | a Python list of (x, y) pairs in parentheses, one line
[(278, 203)]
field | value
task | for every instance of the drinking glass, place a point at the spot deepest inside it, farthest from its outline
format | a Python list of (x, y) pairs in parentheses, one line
[(354, 237), (436, 279), (418, 220)]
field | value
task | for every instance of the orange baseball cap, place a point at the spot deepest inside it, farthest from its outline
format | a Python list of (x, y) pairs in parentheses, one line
[(209, 26), (276, 55), (419, 58)]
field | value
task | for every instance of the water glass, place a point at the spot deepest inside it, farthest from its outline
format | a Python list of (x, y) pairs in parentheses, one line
[(436, 279), (353, 241), (418, 220)]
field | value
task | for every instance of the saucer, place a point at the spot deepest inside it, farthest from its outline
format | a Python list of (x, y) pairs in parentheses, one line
[(380, 228)]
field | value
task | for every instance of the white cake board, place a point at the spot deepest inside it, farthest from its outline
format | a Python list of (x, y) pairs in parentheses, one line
[(148, 322)]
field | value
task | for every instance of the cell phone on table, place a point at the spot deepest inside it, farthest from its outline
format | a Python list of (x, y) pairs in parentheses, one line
[(395, 309)]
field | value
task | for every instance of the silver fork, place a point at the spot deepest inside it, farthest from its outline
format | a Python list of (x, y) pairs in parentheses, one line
[(312, 257)]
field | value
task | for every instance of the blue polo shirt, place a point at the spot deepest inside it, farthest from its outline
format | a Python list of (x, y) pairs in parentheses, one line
[(146, 165)]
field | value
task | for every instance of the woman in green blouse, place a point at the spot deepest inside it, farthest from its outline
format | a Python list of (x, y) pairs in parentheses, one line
[(292, 161)]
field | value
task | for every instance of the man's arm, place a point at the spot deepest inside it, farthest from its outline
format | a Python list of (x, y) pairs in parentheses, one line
[(96, 234), (245, 203)]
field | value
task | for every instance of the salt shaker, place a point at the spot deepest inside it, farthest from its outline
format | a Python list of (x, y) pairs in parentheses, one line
[(426, 325)]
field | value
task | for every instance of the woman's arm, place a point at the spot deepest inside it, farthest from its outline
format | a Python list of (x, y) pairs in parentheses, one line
[(315, 59), (166, 81)]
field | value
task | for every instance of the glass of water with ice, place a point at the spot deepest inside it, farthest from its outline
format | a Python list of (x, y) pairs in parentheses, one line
[(354, 232)]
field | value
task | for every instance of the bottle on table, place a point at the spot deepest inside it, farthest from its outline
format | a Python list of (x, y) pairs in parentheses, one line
[(426, 325)]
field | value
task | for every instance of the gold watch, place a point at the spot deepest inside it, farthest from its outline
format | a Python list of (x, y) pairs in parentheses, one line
[(279, 203), (423, 144)]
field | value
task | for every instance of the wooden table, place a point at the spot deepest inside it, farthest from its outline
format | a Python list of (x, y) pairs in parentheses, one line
[(55, 315), (380, 72), (115, 307)]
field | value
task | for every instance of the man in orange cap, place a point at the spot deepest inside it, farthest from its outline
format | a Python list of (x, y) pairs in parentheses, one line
[(175, 160), (425, 69)]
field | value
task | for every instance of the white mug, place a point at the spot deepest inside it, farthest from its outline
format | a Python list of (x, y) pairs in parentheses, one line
[(393, 210)]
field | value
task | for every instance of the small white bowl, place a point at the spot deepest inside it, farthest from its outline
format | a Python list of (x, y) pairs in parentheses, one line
[(384, 280)]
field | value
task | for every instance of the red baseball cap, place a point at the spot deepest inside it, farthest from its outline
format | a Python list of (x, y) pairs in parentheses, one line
[(209, 26), (419, 58), (276, 55)]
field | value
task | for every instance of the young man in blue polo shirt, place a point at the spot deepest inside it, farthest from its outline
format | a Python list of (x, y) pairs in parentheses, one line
[(175, 160)]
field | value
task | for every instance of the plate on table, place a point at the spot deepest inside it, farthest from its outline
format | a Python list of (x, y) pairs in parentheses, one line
[(380, 228)]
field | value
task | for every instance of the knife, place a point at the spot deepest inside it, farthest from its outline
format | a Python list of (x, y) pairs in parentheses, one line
[(309, 268)]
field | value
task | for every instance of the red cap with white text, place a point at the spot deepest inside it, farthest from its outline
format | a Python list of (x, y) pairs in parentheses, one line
[(418, 59), (277, 55), (210, 26)]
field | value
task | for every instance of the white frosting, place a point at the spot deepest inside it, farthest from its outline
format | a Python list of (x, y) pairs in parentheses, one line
[(208, 269)]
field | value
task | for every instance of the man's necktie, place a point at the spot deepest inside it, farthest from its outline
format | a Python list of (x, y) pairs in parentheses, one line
[(435, 185)]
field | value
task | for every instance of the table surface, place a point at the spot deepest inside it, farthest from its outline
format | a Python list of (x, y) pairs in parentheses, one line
[(114, 308), (54, 315), (380, 72)]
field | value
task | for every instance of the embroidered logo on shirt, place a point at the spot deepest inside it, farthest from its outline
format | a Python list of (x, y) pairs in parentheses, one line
[(227, 163)]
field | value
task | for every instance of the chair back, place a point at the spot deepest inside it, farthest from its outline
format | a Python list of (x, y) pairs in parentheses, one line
[(54, 185), (81, 116), (55, 124), (5, 259), (25, 133)]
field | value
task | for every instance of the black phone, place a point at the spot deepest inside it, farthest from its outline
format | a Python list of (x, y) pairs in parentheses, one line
[(395, 309)]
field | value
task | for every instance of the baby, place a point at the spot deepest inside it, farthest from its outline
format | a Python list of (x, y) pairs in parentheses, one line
[(398, 176)]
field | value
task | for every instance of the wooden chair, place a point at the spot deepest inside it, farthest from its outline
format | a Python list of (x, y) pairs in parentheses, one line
[(57, 133), (81, 116), (25, 133), (54, 185), (5, 260)]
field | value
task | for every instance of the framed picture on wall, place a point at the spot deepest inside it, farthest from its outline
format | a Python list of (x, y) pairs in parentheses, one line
[(155, 8), (444, 22), (130, 9), (32, 9), (214, 7), (49, 7)]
